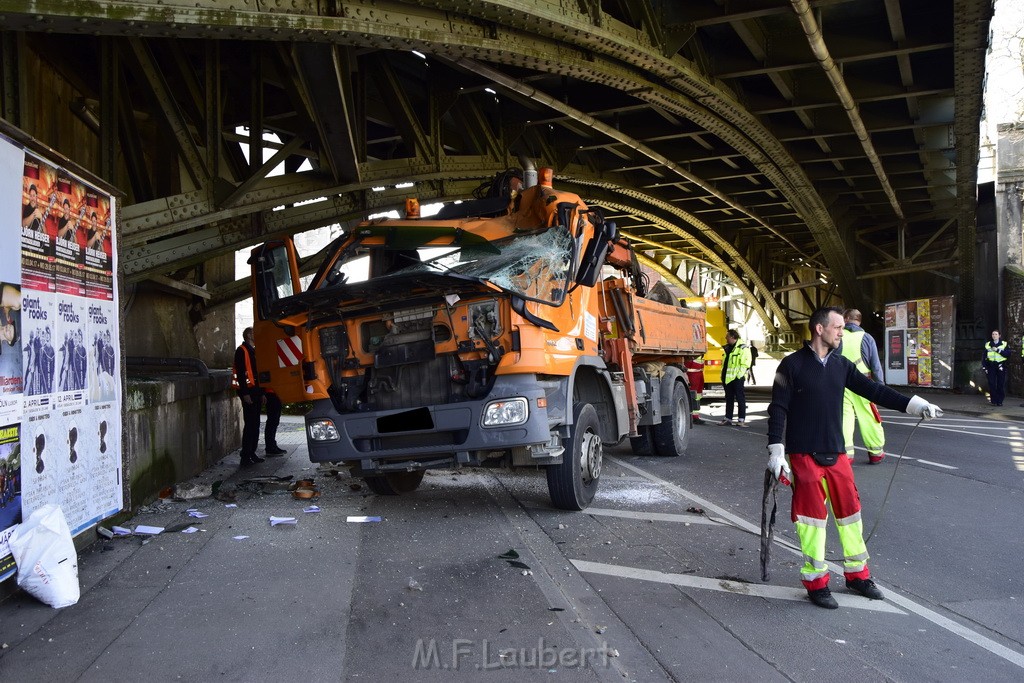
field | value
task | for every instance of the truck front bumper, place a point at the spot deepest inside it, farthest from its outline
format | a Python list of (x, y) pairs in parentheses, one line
[(430, 435)]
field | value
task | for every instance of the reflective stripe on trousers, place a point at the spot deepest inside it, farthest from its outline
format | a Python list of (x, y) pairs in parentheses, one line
[(815, 488)]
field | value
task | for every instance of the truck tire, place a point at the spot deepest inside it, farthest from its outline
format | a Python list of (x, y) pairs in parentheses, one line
[(573, 483), (395, 483), (672, 435), (643, 445)]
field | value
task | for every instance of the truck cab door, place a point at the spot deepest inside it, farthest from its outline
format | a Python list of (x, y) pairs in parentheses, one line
[(279, 348)]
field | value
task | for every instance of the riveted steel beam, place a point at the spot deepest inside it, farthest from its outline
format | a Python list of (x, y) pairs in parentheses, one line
[(532, 36), (170, 111)]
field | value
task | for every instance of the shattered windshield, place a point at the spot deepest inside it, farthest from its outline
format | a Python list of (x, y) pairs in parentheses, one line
[(534, 266)]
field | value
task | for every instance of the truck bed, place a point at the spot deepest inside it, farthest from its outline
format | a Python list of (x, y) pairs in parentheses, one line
[(657, 329)]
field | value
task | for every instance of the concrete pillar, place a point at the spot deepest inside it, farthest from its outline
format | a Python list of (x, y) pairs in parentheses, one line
[(215, 333), (1010, 244), (1009, 188)]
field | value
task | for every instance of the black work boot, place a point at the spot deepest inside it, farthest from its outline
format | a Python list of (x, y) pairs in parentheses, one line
[(823, 598), (865, 587)]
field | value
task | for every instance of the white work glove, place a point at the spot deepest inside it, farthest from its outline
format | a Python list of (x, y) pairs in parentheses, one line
[(918, 407), (777, 462)]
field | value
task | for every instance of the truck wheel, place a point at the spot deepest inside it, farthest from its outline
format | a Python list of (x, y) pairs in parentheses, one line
[(643, 444), (672, 435), (573, 483), (395, 483)]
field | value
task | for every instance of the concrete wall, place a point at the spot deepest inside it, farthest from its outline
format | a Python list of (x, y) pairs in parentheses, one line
[(1013, 298), (175, 427)]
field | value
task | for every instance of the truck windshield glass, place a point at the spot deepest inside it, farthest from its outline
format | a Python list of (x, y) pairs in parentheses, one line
[(534, 266)]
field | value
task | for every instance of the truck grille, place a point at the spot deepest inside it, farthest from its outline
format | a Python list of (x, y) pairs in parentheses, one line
[(410, 386)]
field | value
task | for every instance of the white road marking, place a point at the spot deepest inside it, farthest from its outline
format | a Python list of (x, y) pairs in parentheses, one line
[(736, 587), (936, 464), (964, 632), (1009, 437), (908, 459), (654, 516)]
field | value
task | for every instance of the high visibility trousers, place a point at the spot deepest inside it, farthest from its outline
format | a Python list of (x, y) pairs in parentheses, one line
[(815, 488), (858, 409)]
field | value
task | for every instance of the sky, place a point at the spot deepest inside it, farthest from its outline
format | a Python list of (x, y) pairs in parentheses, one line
[(1004, 78)]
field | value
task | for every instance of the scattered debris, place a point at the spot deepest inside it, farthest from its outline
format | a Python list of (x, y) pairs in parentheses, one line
[(121, 531), (527, 572), (274, 521), (311, 508), (355, 487), (192, 512), (190, 530), (240, 538), (414, 585), (192, 491), (359, 518), (104, 532), (561, 526), (149, 530), (695, 510), (613, 652), (231, 505), (226, 494), (305, 492), (509, 554), (556, 609), (179, 527), (600, 629)]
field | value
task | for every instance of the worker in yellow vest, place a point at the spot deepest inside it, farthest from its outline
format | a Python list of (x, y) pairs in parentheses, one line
[(734, 372), (860, 348)]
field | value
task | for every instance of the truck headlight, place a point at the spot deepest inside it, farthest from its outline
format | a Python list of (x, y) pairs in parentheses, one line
[(323, 430), (510, 411)]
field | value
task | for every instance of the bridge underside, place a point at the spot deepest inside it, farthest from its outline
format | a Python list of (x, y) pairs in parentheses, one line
[(791, 153)]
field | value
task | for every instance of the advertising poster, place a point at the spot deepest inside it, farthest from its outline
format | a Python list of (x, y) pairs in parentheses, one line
[(896, 350), (10, 492), (102, 361), (919, 335), (38, 225), (11, 328), (60, 393)]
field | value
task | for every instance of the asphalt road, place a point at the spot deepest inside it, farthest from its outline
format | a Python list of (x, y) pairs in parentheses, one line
[(639, 587)]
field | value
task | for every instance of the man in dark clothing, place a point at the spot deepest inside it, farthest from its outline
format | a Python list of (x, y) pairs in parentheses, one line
[(244, 379), (807, 405)]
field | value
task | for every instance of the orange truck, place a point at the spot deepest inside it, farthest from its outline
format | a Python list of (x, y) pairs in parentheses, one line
[(509, 330)]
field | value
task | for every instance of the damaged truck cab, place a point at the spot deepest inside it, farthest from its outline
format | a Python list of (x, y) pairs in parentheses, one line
[(498, 331)]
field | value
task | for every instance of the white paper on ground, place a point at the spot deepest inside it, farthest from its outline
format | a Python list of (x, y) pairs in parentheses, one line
[(357, 518), (240, 538), (121, 531), (274, 521), (197, 514), (152, 530), (231, 505), (190, 530), (312, 508)]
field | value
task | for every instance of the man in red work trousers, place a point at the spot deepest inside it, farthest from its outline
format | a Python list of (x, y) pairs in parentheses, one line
[(695, 374), (807, 403)]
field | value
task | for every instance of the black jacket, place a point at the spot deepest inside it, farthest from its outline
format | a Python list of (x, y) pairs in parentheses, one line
[(807, 401)]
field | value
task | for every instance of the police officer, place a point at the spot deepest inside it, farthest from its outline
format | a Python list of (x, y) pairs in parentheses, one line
[(996, 355)]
